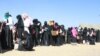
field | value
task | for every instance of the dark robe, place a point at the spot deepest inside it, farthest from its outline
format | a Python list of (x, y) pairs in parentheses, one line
[(33, 34), (3, 41), (0, 37), (9, 37), (27, 41), (62, 38), (36, 28), (92, 40), (85, 37), (46, 36), (20, 30), (98, 36), (69, 35), (80, 33)]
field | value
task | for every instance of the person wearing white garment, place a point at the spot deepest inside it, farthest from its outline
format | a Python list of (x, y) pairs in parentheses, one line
[(8, 31), (27, 22)]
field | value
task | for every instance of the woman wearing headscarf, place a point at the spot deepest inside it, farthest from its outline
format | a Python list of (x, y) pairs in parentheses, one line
[(62, 34), (69, 35), (46, 38), (55, 34), (37, 28), (8, 31), (27, 23), (92, 37), (20, 30), (74, 35), (85, 37)]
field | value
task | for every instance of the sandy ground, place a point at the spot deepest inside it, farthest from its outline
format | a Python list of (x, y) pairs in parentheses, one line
[(64, 50)]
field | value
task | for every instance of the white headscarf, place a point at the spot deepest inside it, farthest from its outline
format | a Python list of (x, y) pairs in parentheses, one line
[(27, 21)]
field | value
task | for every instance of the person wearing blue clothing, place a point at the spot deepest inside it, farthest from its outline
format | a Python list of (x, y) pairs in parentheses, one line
[(8, 31)]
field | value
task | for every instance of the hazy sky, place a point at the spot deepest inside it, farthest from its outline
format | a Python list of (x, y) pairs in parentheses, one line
[(67, 12)]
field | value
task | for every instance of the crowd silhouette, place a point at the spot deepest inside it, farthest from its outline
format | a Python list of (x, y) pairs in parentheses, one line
[(29, 33)]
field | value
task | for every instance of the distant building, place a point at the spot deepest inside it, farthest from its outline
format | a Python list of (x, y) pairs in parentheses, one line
[(95, 26)]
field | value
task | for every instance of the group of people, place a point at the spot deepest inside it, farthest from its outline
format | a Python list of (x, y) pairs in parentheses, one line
[(82, 35), (29, 33)]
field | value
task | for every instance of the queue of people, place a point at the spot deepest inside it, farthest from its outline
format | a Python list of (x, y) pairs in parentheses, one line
[(29, 33)]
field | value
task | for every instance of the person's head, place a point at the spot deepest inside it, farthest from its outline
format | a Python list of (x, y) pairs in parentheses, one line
[(45, 23), (35, 20), (7, 15), (19, 17), (24, 16), (73, 28), (92, 29), (56, 24), (62, 26), (85, 28)]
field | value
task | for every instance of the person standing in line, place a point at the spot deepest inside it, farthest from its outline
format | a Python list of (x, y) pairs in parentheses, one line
[(69, 35), (74, 35), (45, 37), (27, 23), (37, 25), (20, 30), (85, 39), (92, 37), (8, 31)]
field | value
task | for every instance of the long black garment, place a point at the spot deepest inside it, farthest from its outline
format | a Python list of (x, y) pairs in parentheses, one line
[(50, 35), (8, 37), (0, 43), (98, 36), (46, 36), (20, 30), (85, 35), (69, 34), (20, 26), (3, 39), (33, 34), (63, 35), (37, 32), (92, 40), (29, 42), (12, 43)]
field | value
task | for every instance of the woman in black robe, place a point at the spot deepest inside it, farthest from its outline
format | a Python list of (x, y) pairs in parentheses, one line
[(46, 36), (20, 30), (3, 42), (36, 29), (62, 34), (69, 35), (85, 37), (92, 37), (0, 37), (98, 36), (8, 31)]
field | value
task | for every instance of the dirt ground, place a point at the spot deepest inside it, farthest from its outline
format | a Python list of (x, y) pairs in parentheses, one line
[(64, 50)]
